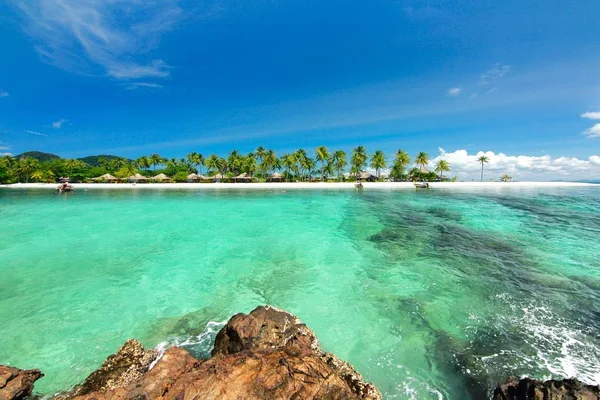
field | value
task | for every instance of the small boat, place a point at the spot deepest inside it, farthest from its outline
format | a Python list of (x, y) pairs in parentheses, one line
[(358, 185), (64, 187), (421, 185)]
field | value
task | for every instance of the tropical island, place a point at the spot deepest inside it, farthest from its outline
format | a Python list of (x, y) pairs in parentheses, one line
[(261, 165)]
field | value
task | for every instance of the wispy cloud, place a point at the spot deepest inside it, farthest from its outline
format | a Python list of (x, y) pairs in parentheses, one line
[(112, 37), (36, 133), (455, 91), (58, 124), (593, 132), (4, 93), (142, 85), (494, 73), (591, 115)]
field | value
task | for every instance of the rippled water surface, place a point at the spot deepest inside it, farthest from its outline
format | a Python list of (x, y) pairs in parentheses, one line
[(429, 294)]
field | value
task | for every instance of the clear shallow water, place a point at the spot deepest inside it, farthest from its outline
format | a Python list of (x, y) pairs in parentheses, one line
[(430, 294)]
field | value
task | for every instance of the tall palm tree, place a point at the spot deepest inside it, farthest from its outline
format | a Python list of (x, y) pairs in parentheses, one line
[(234, 162), (401, 160), (358, 159), (269, 161), (249, 164), (71, 164), (259, 152), (378, 162), (483, 160), (322, 156), (143, 162), (288, 161), (195, 159), (422, 159), (300, 156), (441, 167), (155, 159), (27, 166), (339, 162), (212, 163)]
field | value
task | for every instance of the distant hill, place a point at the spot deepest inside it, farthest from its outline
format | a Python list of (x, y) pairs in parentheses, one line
[(38, 155), (93, 161)]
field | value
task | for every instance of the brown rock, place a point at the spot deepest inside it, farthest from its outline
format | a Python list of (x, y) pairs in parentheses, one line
[(530, 389), (267, 354), (128, 365), (16, 383)]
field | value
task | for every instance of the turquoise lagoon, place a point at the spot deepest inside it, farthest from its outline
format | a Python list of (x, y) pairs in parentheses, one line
[(430, 294)]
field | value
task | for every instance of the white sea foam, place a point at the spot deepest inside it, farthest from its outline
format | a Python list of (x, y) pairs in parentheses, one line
[(204, 340)]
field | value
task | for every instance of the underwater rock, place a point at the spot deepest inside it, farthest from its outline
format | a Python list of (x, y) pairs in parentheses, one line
[(267, 354), (17, 383), (530, 389)]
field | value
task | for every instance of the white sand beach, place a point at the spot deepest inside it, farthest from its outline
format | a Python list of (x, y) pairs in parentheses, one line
[(297, 185)]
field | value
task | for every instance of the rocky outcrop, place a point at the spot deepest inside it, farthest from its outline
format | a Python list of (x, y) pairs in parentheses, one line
[(530, 389), (16, 383), (267, 354)]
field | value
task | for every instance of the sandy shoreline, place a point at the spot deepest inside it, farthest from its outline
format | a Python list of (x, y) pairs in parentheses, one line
[(298, 185)]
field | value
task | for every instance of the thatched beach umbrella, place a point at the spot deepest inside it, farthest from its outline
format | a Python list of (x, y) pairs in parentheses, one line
[(365, 176), (193, 177), (106, 178), (161, 178), (137, 178), (276, 177), (244, 177), (218, 177)]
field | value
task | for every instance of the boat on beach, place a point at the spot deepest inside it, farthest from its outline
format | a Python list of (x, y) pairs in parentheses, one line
[(421, 185)]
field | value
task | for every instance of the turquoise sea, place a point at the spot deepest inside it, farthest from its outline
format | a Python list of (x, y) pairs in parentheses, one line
[(429, 294)]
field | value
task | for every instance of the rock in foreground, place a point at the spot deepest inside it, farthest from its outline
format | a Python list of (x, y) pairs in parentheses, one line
[(267, 354), (16, 383), (530, 389)]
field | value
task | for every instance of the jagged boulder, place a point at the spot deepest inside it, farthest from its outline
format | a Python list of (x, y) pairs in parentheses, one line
[(530, 389), (17, 383), (267, 354)]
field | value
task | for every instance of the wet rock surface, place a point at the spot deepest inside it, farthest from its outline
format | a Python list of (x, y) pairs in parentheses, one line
[(16, 383), (530, 389), (267, 354)]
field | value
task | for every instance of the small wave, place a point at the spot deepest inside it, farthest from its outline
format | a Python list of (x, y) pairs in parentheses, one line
[(199, 346)]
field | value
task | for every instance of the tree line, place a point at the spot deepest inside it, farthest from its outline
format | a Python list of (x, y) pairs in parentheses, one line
[(259, 164)]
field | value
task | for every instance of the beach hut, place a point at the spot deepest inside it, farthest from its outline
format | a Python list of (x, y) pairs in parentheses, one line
[(218, 177), (161, 178), (243, 177), (105, 178), (137, 178), (193, 177), (204, 178), (365, 176), (276, 177)]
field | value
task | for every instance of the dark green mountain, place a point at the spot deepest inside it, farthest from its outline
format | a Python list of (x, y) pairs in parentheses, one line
[(38, 155), (93, 161)]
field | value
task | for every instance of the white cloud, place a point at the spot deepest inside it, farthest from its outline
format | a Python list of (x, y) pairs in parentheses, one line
[(6, 154), (494, 73), (591, 115), (58, 124), (593, 132), (521, 167), (455, 91), (138, 85), (36, 133), (4, 93), (113, 35)]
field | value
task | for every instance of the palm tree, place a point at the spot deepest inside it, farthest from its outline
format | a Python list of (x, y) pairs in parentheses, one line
[(358, 159), (288, 161), (143, 162), (249, 164), (441, 167), (70, 164), (129, 170), (422, 160), (322, 155), (339, 162), (195, 159), (413, 174), (234, 162), (212, 162), (300, 157), (506, 178), (155, 160), (259, 153), (269, 161), (37, 175), (401, 160), (378, 162), (483, 160), (27, 166)]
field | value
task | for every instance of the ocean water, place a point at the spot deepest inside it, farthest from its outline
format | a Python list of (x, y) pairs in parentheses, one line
[(429, 294)]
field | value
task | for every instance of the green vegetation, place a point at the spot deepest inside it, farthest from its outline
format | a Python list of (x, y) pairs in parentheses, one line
[(259, 165)]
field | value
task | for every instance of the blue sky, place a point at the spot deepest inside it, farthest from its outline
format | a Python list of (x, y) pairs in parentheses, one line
[(130, 78)]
